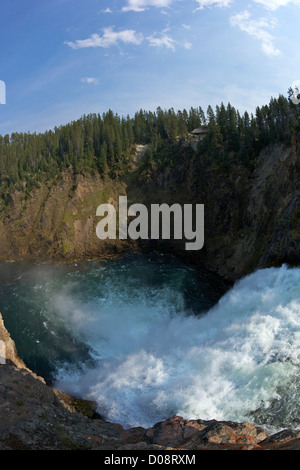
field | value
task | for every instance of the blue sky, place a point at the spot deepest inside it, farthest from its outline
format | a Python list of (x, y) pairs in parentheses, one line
[(61, 59)]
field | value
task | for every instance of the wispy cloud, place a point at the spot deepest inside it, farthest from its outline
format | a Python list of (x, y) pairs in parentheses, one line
[(213, 3), (268, 4), (89, 80), (164, 40), (258, 29), (275, 4), (128, 36), (161, 40), (142, 5), (108, 39)]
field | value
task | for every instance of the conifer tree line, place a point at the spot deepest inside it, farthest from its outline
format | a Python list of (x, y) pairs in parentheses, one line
[(105, 143)]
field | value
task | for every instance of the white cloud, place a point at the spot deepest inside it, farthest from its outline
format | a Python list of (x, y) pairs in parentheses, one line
[(258, 29), (109, 38), (108, 10), (164, 40), (161, 41), (214, 3), (275, 4), (271, 5), (90, 80), (142, 5), (268, 4)]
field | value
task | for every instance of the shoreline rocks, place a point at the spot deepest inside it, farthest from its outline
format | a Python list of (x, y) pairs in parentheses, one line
[(33, 416)]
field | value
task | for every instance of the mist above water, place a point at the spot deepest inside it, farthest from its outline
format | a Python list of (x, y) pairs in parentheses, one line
[(147, 338)]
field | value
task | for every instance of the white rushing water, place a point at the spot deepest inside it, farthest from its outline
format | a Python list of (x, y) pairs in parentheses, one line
[(155, 360)]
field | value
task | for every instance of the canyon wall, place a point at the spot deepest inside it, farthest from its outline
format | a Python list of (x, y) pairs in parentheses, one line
[(252, 219)]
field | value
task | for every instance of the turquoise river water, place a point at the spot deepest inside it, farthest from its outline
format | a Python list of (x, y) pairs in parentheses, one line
[(148, 337)]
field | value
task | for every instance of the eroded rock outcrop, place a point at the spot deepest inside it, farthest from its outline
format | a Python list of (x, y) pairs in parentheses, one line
[(251, 221), (252, 218), (33, 416)]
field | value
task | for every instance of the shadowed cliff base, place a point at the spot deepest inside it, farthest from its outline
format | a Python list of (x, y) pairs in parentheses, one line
[(251, 217), (252, 221)]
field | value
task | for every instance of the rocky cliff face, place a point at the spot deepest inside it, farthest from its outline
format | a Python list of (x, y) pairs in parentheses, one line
[(37, 417), (252, 220), (57, 221)]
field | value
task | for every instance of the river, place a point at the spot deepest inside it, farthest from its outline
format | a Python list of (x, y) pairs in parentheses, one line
[(148, 337)]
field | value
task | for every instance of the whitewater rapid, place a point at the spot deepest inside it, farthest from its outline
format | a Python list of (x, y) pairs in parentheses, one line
[(153, 358)]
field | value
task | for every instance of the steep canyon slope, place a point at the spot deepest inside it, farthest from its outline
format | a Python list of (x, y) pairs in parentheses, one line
[(252, 218), (252, 221)]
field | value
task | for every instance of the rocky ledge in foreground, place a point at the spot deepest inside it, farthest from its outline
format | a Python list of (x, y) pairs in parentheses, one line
[(33, 416)]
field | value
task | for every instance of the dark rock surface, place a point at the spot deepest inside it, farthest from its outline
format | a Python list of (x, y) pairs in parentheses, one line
[(33, 416), (252, 218), (252, 221)]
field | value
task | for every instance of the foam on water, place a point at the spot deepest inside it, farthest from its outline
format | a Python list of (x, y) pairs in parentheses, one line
[(150, 338), (236, 362)]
